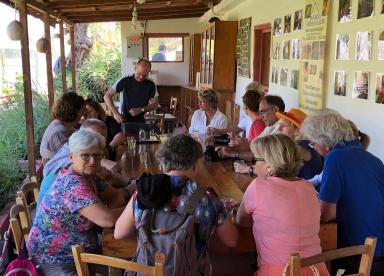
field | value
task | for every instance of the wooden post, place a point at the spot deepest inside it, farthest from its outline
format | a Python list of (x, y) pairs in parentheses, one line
[(48, 58), (62, 61), (73, 58), (27, 90)]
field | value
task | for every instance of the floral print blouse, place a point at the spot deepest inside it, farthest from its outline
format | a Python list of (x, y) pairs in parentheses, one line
[(58, 224)]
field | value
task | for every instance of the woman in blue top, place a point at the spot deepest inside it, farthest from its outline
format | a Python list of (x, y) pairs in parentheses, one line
[(352, 186)]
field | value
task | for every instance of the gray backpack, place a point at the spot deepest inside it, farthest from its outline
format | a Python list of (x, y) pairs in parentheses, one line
[(172, 234)]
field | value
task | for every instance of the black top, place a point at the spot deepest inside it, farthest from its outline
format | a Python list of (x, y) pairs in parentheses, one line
[(113, 128), (135, 94)]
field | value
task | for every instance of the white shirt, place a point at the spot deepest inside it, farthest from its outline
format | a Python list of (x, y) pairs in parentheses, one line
[(245, 123), (199, 121), (273, 129)]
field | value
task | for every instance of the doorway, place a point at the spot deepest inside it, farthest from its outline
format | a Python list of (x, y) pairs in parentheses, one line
[(261, 59)]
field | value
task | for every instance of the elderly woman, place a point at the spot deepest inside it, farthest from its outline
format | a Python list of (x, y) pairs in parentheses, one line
[(352, 186), (292, 221), (66, 115), (115, 136), (208, 115), (179, 158), (71, 208)]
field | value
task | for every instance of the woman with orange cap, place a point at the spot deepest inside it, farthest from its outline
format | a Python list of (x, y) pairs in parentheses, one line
[(290, 123)]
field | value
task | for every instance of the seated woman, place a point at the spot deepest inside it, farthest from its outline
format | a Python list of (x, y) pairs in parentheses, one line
[(292, 222), (289, 125), (179, 158), (71, 208), (115, 136), (208, 115), (66, 115)]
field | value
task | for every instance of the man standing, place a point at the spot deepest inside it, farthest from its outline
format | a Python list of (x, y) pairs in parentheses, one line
[(160, 55), (139, 95)]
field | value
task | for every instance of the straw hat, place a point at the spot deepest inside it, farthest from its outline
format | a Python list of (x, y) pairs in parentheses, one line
[(294, 116)]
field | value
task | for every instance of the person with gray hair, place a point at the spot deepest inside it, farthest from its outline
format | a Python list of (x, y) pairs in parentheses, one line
[(208, 115), (179, 157), (72, 207), (352, 186)]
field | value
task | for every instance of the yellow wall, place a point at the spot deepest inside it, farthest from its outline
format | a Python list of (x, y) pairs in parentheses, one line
[(368, 115)]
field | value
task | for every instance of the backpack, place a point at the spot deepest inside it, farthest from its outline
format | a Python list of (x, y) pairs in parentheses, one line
[(172, 234)]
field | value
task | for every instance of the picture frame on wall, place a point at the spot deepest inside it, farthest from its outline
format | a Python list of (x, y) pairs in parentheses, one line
[(283, 76), (363, 46), (294, 78), (297, 20), (287, 24), (345, 11), (365, 8), (286, 49), (296, 48), (277, 29), (340, 84), (380, 45), (361, 85), (379, 89), (342, 46)]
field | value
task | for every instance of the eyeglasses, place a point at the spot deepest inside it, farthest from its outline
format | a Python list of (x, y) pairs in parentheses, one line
[(261, 112), (258, 159), (88, 156)]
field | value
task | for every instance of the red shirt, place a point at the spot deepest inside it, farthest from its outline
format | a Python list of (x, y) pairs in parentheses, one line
[(257, 127)]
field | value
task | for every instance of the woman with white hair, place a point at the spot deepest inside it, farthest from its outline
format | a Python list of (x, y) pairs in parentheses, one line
[(71, 208), (352, 186)]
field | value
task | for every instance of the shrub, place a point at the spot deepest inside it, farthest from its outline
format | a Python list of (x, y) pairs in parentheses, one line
[(13, 140)]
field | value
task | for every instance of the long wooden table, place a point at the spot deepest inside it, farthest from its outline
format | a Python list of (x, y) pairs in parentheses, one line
[(218, 175)]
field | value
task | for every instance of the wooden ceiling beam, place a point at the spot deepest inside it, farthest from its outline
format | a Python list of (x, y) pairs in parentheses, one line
[(85, 3), (140, 11), (40, 7), (111, 18)]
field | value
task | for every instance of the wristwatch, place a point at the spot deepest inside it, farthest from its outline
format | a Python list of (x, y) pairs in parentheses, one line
[(142, 109)]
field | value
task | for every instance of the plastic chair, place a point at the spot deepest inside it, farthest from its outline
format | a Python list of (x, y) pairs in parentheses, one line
[(367, 251), (82, 259)]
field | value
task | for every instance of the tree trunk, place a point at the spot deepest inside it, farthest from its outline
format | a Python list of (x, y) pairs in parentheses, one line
[(83, 45)]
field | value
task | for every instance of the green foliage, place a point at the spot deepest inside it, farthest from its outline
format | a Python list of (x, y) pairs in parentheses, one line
[(98, 72), (13, 140)]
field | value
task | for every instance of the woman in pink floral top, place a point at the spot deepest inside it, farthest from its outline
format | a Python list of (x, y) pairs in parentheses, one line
[(71, 209)]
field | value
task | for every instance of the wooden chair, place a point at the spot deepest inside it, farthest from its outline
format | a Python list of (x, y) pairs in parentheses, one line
[(173, 106), (236, 115), (159, 118), (82, 259), (19, 225), (28, 196), (367, 251), (228, 113)]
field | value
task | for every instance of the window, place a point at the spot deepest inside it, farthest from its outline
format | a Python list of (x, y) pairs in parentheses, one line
[(165, 47)]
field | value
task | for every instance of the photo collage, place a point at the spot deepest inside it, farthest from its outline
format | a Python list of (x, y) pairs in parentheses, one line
[(286, 49), (363, 52)]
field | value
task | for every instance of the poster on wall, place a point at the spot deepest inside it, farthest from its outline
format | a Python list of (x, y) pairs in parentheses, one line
[(298, 20), (360, 85), (283, 76), (340, 83), (243, 46), (277, 26), (365, 8), (294, 78), (296, 43), (379, 89), (345, 11), (342, 46), (363, 45), (310, 85), (380, 52), (287, 24)]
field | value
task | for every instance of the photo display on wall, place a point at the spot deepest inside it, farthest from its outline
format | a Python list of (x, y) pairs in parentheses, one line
[(294, 78), (287, 24), (365, 8), (363, 45), (243, 47), (277, 30), (345, 11), (298, 20), (379, 88), (296, 48), (342, 46), (283, 76), (380, 52), (340, 83), (360, 85)]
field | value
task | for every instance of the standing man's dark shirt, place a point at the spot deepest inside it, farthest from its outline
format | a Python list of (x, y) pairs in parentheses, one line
[(135, 94)]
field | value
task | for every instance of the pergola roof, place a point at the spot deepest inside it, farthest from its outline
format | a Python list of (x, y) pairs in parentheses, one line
[(87, 11)]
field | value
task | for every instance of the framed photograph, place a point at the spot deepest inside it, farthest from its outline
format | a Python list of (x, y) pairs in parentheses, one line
[(365, 8), (380, 52), (308, 10), (276, 51), (283, 76), (340, 83), (287, 24), (275, 75), (297, 20), (363, 45), (294, 78), (277, 30), (360, 85), (382, 6), (296, 44), (379, 89), (345, 11), (286, 49), (305, 71), (342, 46)]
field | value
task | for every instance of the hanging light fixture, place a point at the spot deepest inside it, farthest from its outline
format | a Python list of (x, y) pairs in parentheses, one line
[(15, 29)]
